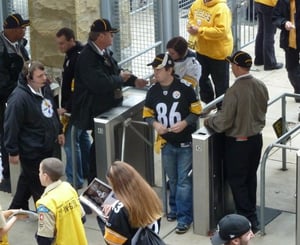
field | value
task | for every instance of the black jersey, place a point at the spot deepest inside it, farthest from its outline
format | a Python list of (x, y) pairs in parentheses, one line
[(172, 105), (118, 229)]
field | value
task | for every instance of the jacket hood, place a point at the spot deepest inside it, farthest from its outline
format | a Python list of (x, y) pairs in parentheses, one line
[(77, 48), (210, 3)]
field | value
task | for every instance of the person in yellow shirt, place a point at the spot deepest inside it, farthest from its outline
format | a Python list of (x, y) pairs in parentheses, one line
[(60, 214), (264, 42), (210, 22)]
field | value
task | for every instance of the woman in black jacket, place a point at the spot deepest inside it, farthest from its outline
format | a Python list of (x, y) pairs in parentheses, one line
[(286, 16)]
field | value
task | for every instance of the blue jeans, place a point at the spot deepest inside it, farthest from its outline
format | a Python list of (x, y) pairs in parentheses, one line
[(177, 163), (82, 150)]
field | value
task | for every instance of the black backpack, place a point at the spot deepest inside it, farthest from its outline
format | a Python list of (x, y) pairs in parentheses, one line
[(146, 236)]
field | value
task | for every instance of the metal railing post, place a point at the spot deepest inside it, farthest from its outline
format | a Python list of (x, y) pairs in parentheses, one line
[(297, 200), (74, 158), (284, 130), (282, 139)]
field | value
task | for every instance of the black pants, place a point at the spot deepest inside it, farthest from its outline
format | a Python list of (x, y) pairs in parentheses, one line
[(292, 61), (241, 163), (28, 183), (219, 72), (264, 42), (4, 155), (92, 160)]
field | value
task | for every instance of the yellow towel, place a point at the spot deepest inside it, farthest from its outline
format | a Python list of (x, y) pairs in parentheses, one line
[(159, 143), (292, 34), (65, 122)]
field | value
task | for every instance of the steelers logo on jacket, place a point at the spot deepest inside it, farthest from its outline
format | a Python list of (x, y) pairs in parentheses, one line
[(47, 108)]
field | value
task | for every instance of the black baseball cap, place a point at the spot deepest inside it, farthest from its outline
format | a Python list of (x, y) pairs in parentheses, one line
[(161, 61), (231, 226), (240, 58), (103, 25), (15, 21)]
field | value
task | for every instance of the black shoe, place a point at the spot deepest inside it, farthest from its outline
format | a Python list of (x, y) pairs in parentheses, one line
[(273, 67), (258, 62), (5, 185), (171, 217), (182, 228)]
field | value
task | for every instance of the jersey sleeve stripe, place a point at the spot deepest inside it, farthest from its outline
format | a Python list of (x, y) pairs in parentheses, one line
[(114, 238), (196, 107)]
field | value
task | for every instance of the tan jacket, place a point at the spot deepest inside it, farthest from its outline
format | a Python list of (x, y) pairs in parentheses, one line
[(243, 110)]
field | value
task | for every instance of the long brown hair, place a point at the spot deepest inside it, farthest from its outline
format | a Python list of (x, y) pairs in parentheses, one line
[(140, 200)]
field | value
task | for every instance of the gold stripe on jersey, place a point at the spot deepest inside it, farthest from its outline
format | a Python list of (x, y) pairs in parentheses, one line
[(148, 112), (196, 107), (191, 80), (113, 238)]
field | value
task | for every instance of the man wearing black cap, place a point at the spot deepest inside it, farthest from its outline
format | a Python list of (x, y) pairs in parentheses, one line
[(99, 81), (233, 229), (242, 119), (12, 57), (172, 108)]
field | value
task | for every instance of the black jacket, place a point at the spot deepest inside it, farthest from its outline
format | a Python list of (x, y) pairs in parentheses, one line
[(31, 123), (11, 65), (68, 76), (281, 14), (96, 82)]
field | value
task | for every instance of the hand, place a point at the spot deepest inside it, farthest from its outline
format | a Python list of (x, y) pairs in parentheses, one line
[(178, 127), (289, 26), (61, 139), (193, 30), (140, 83), (14, 159), (160, 128), (21, 216), (125, 75), (106, 209), (61, 111)]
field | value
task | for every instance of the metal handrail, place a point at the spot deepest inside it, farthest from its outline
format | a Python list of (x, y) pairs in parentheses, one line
[(279, 143), (282, 139), (140, 53)]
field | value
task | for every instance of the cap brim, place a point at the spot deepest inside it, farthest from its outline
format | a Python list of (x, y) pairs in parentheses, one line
[(25, 23), (217, 240), (114, 30), (156, 65), (229, 59)]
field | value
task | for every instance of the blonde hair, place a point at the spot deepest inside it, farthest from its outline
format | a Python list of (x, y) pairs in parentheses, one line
[(140, 200)]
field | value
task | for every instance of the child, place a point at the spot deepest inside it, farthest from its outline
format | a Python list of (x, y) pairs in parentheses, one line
[(5, 224)]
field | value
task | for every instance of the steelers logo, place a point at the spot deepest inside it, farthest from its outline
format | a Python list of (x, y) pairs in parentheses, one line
[(47, 108), (176, 95)]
